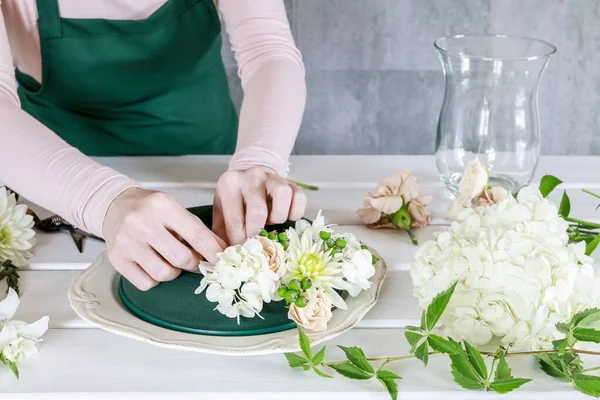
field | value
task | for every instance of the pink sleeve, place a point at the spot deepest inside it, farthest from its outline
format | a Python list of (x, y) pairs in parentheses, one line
[(43, 168), (272, 74)]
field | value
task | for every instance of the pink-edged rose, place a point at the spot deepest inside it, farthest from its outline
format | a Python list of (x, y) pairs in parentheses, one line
[(390, 195), (491, 196), (275, 254), (315, 315), (420, 215)]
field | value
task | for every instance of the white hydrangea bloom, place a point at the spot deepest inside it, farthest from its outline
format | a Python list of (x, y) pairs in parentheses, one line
[(241, 281), (518, 275)]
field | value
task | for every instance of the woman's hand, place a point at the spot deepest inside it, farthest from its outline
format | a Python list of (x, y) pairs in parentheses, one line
[(246, 201), (145, 233)]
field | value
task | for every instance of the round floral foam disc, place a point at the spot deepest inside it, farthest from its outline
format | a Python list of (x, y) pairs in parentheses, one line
[(173, 305)]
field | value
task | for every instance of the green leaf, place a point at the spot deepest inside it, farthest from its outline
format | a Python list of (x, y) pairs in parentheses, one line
[(424, 320), (304, 344), (351, 371), (438, 306), (588, 384), (413, 328), (560, 344), (442, 345), (321, 373), (295, 360), (422, 352), (358, 358), (387, 378), (563, 327), (587, 335), (11, 365), (413, 339), (548, 183), (476, 360), (503, 372), (507, 385), (565, 205), (318, 358), (561, 365), (465, 382), (462, 365), (591, 246), (585, 317)]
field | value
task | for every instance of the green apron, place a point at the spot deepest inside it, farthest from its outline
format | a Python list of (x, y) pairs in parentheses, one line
[(150, 87)]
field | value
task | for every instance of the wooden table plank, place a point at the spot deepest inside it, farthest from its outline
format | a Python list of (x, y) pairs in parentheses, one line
[(94, 361)]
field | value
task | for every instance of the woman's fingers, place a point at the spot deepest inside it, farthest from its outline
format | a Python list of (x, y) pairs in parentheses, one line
[(298, 206), (156, 266), (218, 221), (174, 252), (194, 232), (257, 211), (281, 195), (135, 274)]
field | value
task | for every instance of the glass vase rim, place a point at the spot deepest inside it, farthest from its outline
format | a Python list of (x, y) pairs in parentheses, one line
[(551, 48)]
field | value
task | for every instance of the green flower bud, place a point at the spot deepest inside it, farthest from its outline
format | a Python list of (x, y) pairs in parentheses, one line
[(334, 252), (282, 237), (264, 233), (272, 235), (291, 296), (364, 247), (301, 302), (340, 243), (325, 235), (330, 244), (374, 259), (285, 246), (306, 283), (295, 285), (282, 291)]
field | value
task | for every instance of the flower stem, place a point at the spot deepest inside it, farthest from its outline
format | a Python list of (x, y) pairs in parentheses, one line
[(412, 236), (591, 369), (483, 353), (591, 193), (303, 185), (583, 224)]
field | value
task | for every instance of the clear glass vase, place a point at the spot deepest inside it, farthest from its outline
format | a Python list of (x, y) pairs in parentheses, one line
[(490, 109)]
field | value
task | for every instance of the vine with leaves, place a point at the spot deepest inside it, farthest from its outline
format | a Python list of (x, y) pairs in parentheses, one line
[(467, 364)]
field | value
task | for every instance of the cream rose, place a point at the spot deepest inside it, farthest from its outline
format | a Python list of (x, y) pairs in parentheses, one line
[(315, 315), (491, 196), (275, 253), (420, 215), (390, 195)]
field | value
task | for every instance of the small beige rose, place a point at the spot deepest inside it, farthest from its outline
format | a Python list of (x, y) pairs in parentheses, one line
[(315, 315), (390, 195), (275, 253), (471, 186), (420, 215), (491, 196)]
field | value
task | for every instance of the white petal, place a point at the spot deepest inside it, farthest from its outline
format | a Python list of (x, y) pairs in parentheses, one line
[(336, 299), (9, 305), (7, 335), (213, 292), (35, 330)]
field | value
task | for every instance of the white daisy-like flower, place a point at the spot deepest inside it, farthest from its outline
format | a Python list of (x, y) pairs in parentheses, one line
[(16, 233), (309, 258)]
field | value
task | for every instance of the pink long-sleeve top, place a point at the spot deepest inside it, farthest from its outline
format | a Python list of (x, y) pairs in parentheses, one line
[(39, 165)]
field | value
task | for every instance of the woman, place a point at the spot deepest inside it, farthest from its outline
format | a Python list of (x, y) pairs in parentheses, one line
[(129, 77)]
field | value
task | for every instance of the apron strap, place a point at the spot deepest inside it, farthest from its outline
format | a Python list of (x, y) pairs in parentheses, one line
[(49, 21)]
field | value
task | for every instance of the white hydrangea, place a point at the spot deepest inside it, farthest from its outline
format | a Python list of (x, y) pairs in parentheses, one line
[(241, 281), (517, 274)]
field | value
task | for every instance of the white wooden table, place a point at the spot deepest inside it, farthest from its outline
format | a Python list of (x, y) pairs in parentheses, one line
[(79, 361)]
